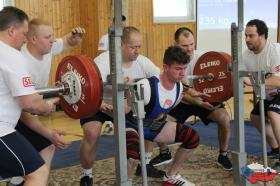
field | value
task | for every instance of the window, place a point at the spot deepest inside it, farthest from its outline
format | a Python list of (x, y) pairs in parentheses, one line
[(166, 11), (6, 3)]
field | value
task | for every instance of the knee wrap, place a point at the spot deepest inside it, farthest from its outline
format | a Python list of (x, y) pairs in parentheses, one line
[(132, 145), (187, 136)]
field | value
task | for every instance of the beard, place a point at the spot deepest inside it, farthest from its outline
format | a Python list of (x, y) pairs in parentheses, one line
[(251, 47)]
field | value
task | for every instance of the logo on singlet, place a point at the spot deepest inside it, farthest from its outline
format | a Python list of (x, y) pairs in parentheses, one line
[(27, 82), (167, 103), (274, 106)]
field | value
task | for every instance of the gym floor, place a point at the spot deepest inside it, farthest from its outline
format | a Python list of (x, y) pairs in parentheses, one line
[(202, 161)]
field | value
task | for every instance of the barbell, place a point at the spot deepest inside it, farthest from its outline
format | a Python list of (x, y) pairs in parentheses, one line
[(80, 88), (211, 76)]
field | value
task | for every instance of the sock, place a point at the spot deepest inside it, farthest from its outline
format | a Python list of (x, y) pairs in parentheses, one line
[(16, 180), (275, 150), (223, 153), (164, 151), (87, 172), (148, 157)]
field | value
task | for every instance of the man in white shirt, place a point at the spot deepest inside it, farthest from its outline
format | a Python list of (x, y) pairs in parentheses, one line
[(18, 157), (134, 66), (263, 55), (103, 44), (41, 46)]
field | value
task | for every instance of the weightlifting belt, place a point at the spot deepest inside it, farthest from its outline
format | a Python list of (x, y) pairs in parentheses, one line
[(154, 125), (148, 124)]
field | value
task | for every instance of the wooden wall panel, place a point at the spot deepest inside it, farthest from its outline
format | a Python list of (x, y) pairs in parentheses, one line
[(63, 15), (105, 15), (156, 37), (89, 20), (95, 16)]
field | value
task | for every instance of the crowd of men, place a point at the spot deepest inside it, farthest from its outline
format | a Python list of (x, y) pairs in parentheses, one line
[(27, 147)]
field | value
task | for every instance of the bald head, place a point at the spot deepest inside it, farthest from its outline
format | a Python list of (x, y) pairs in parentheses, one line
[(131, 43), (127, 32), (184, 38)]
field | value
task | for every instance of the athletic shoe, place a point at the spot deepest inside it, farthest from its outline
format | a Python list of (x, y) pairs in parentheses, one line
[(151, 171), (108, 129), (176, 180), (273, 155), (86, 181), (224, 162), (162, 158)]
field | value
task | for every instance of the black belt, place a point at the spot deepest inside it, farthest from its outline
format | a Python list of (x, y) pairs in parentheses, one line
[(154, 125)]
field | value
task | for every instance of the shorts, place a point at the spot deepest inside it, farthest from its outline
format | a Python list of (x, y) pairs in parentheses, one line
[(99, 116), (38, 141), (183, 111), (18, 157), (269, 105)]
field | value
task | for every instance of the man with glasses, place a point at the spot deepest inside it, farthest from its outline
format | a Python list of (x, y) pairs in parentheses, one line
[(134, 66)]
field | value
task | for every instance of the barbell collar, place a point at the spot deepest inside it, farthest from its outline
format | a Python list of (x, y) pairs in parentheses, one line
[(209, 77), (53, 91), (193, 77)]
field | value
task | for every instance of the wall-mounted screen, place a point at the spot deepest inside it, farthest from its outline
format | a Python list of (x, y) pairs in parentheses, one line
[(214, 18)]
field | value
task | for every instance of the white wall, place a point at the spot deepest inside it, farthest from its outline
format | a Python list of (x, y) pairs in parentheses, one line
[(214, 18), (220, 39)]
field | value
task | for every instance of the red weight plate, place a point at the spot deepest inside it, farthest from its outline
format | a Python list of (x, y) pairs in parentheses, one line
[(215, 64), (91, 85)]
